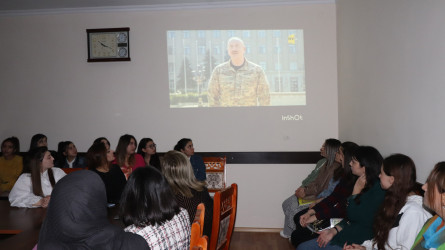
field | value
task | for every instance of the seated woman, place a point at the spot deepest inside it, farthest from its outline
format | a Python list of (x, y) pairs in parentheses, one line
[(189, 192), (309, 190), (40, 140), (366, 198), (67, 155), (401, 215), (33, 189), (148, 208), (11, 164), (126, 156), (77, 218), (103, 140), (99, 161), (432, 234), (185, 146), (147, 148), (334, 205)]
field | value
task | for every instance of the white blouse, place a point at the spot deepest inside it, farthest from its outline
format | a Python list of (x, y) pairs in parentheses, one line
[(21, 194), (413, 218)]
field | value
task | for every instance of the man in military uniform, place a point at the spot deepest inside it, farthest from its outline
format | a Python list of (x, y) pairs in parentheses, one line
[(238, 82)]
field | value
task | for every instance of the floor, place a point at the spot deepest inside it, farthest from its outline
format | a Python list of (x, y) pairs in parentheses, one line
[(259, 241)]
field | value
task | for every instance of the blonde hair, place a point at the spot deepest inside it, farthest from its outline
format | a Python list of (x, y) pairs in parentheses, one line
[(178, 171)]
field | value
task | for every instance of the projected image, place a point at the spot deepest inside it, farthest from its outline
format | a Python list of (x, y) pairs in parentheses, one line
[(234, 68)]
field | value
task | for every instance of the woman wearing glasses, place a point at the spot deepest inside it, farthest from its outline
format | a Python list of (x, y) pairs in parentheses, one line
[(147, 148)]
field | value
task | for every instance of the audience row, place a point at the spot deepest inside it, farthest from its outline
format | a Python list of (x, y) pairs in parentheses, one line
[(158, 203), (377, 201), (128, 156)]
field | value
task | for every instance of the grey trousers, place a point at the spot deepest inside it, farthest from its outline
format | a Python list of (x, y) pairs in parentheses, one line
[(290, 208)]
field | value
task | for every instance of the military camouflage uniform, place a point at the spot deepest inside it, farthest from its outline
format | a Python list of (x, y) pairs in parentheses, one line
[(246, 86)]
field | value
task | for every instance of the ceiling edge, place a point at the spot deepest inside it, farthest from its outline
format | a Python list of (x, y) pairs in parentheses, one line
[(159, 7)]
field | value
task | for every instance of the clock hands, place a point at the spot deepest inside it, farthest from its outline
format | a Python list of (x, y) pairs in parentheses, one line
[(103, 45)]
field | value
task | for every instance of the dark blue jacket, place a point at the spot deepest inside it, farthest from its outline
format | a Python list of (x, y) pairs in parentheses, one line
[(198, 167)]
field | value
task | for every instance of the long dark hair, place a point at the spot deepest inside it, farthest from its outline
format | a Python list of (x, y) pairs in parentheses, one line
[(121, 150), (181, 144), (15, 144), (100, 139), (35, 157), (402, 168), (154, 159), (35, 139), (61, 150), (369, 158), (147, 199), (345, 171), (97, 156)]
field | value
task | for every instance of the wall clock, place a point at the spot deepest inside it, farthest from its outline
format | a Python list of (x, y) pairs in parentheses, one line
[(107, 45)]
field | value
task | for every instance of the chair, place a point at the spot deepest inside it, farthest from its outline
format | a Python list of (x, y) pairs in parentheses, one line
[(197, 240), (70, 170), (202, 244), (224, 215), (199, 216), (215, 173)]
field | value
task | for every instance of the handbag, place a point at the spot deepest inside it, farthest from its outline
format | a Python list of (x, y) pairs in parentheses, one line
[(320, 225)]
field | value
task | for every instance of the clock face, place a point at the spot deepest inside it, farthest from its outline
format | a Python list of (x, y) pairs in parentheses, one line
[(123, 52), (122, 37), (108, 44), (103, 45)]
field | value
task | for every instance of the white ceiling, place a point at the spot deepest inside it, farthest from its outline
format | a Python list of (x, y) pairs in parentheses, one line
[(16, 6)]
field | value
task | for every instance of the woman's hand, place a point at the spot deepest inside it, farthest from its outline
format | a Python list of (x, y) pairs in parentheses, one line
[(353, 247), (308, 217), (43, 202), (300, 192), (315, 202), (303, 219), (326, 236), (46, 201), (311, 219), (359, 184)]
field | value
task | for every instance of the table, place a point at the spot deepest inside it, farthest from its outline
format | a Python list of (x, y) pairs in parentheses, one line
[(23, 223), (14, 220)]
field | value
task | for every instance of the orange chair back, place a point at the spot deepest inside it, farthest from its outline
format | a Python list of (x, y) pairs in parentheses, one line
[(199, 216), (224, 215), (202, 244), (197, 240), (197, 227)]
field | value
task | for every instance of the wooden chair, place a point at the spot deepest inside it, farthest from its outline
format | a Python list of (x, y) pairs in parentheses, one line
[(199, 216), (70, 170), (215, 173), (197, 240), (224, 215)]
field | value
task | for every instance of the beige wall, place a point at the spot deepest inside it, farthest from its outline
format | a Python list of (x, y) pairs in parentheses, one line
[(45, 75), (391, 57), (47, 86)]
